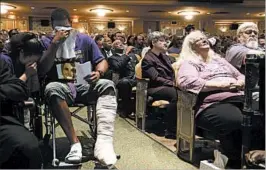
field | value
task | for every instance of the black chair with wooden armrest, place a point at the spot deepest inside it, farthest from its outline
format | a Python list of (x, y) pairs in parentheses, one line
[(186, 127), (143, 100)]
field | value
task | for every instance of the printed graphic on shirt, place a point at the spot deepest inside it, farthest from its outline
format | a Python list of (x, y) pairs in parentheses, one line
[(66, 68)]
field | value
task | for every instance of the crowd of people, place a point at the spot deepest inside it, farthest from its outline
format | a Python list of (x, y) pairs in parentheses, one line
[(210, 66)]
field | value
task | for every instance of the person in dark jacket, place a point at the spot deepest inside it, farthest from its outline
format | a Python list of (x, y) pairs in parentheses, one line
[(18, 147), (156, 66), (124, 65)]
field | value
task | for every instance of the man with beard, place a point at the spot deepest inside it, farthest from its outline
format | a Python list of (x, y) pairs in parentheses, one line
[(70, 46), (247, 34)]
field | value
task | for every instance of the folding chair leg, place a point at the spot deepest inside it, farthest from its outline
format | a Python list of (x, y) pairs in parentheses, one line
[(94, 121), (91, 115), (55, 161)]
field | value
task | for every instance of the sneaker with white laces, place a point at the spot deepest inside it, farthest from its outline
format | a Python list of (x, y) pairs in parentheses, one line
[(75, 154)]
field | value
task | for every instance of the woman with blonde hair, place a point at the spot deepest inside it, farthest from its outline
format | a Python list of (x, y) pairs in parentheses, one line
[(219, 87)]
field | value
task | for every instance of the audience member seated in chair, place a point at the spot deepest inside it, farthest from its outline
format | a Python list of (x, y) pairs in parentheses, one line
[(156, 66), (18, 147), (247, 34), (26, 51), (219, 87), (124, 65), (68, 45), (107, 52)]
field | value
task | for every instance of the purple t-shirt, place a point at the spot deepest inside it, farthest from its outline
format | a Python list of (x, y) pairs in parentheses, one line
[(192, 76), (8, 60), (85, 50)]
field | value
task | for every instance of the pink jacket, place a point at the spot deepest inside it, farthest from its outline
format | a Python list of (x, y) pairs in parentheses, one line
[(192, 76)]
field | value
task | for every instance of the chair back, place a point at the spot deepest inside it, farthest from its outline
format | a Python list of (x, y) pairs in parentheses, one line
[(138, 70)]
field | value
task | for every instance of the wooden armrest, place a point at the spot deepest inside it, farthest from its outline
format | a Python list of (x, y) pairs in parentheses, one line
[(143, 80), (187, 98)]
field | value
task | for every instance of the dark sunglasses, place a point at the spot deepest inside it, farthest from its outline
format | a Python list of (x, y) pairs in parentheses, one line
[(250, 32)]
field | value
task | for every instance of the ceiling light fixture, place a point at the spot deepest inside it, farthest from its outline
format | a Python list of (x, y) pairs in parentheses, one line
[(262, 14), (74, 9), (101, 12), (247, 13), (5, 7), (188, 15), (208, 13), (127, 10)]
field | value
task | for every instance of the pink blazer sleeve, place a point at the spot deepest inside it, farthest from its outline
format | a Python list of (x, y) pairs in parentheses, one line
[(235, 72), (188, 78)]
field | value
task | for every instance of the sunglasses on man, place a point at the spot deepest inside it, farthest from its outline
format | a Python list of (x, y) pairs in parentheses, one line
[(250, 32)]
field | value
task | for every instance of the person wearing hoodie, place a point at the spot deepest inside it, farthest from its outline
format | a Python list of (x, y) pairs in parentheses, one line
[(18, 147)]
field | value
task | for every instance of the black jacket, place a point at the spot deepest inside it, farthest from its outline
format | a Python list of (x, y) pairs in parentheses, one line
[(12, 90), (159, 70), (124, 65)]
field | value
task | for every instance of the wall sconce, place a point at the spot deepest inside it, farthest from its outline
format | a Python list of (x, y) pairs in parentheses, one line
[(82, 30), (121, 28), (101, 12), (188, 15), (223, 29), (75, 19), (11, 16), (100, 27)]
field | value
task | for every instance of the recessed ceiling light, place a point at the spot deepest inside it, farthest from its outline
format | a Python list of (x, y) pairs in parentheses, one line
[(74, 9), (32, 7), (5, 8), (101, 11), (247, 13), (208, 13), (127, 10), (188, 12)]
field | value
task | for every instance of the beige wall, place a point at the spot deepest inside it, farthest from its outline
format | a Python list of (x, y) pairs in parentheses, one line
[(36, 26), (7, 24), (101, 27), (138, 26)]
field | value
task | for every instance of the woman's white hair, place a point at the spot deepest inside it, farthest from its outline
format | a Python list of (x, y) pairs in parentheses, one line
[(246, 25), (187, 52)]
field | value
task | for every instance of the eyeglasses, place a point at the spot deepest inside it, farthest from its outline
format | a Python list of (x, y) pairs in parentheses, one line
[(201, 40), (250, 32)]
